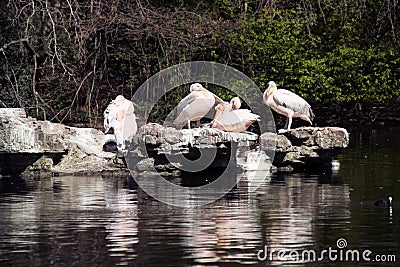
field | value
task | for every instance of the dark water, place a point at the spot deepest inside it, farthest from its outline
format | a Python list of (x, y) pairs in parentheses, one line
[(95, 221)]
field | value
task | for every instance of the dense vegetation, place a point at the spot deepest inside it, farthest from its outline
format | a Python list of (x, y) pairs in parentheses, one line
[(65, 60)]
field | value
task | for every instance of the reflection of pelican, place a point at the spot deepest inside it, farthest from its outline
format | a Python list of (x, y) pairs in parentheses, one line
[(288, 104), (120, 116), (230, 118), (194, 106)]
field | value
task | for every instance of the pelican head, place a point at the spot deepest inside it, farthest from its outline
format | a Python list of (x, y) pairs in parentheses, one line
[(219, 110), (271, 87), (222, 106), (196, 87), (235, 103), (118, 99)]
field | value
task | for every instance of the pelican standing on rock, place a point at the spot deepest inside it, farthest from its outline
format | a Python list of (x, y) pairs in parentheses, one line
[(120, 116), (195, 105), (288, 104), (230, 118)]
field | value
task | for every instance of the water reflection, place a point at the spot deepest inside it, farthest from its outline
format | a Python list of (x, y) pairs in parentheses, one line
[(110, 221), (295, 206), (212, 235)]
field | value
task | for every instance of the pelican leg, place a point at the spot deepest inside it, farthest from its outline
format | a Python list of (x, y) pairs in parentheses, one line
[(213, 123), (198, 124), (284, 130), (188, 122), (289, 123)]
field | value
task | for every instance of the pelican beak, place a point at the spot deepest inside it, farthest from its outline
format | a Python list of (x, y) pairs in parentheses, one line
[(270, 89)]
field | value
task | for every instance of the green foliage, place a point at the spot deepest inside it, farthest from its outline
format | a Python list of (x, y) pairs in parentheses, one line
[(336, 52)]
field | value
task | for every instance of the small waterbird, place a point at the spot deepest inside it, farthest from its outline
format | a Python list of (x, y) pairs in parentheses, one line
[(384, 203)]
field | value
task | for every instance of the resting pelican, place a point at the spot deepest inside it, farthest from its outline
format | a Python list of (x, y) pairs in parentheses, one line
[(230, 118), (195, 105), (120, 116), (287, 103), (235, 103)]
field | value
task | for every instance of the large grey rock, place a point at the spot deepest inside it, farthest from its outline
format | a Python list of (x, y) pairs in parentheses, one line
[(156, 134), (167, 144), (20, 134), (25, 141), (305, 146)]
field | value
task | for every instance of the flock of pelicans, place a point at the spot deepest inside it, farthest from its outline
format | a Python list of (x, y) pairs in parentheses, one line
[(120, 116)]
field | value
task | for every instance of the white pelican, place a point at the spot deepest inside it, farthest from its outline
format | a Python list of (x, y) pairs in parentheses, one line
[(235, 103), (288, 104), (230, 118), (195, 105), (120, 116)]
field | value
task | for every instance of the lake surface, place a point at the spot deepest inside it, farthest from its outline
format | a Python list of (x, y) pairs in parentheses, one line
[(96, 221)]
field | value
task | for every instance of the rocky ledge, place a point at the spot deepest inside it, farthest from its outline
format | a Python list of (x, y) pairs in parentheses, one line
[(305, 147), (30, 145), (27, 144), (296, 149)]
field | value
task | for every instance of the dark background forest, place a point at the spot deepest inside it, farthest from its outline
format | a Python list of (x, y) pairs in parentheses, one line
[(65, 60)]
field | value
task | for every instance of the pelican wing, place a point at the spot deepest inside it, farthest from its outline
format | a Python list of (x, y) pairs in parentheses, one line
[(237, 116), (123, 121), (193, 107), (109, 117), (292, 101), (186, 101), (106, 124), (129, 126), (236, 120)]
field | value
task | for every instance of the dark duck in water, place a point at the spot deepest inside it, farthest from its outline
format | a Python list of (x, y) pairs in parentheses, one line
[(384, 203)]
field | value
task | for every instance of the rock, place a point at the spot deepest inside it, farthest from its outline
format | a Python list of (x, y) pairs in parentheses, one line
[(285, 169), (165, 144), (324, 137), (12, 113), (176, 173), (145, 165), (45, 163), (57, 148), (25, 141), (168, 139), (332, 137), (306, 146)]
